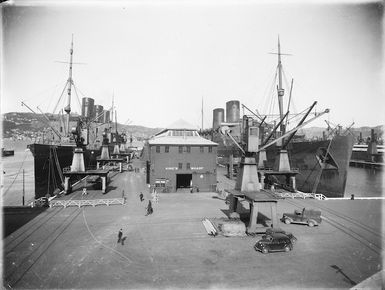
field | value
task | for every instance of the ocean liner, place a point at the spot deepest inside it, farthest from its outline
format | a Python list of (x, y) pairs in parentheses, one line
[(321, 165), (55, 154)]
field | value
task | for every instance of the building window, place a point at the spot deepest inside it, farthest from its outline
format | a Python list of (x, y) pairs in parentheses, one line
[(180, 149), (157, 149), (188, 166), (167, 149), (202, 149), (177, 133), (160, 183), (188, 149), (210, 149), (179, 165)]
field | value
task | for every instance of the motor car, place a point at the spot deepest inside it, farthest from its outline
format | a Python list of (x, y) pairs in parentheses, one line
[(309, 217), (274, 242), (270, 231)]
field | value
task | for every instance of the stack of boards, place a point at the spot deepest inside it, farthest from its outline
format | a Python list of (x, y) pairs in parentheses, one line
[(210, 229)]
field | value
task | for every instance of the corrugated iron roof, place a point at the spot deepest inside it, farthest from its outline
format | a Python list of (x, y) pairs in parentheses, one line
[(180, 140), (178, 125)]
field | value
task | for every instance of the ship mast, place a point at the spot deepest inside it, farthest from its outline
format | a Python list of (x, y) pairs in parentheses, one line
[(280, 90), (202, 114), (67, 109)]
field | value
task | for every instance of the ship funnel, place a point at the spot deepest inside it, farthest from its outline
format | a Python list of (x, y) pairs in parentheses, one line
[(106, 116), (99, 113), (88, 107), (218, 117), (78, 161), (232, 111)]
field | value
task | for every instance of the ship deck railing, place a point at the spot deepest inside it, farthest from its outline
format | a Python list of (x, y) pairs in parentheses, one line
[(270, 169), (299, 194), (87, 202), (320, 196)]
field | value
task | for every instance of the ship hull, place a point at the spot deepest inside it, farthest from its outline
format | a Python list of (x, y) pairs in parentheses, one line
[(49, 163), (306, 156)]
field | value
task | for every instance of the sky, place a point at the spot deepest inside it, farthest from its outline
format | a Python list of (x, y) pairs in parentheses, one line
[(159, 59)]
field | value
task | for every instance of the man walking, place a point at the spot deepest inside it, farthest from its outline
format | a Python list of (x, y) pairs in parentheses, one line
[(120, 234), (149, 208)]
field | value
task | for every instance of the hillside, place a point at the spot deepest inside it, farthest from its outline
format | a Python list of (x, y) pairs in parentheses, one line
[(29, 125)]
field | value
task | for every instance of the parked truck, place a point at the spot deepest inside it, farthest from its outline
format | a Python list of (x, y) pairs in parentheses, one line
[(309, 217)]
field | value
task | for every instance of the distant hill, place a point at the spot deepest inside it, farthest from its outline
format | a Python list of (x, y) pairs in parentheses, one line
[(29, 124)]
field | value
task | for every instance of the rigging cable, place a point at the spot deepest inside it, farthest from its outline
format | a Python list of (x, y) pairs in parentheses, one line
[(315, 186), (58, 165), (53, 163), (268, 95), (77, 96), (271, 97), (49, 171), (61, 95)]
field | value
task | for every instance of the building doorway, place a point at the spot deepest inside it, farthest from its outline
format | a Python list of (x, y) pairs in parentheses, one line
[(183, 180)]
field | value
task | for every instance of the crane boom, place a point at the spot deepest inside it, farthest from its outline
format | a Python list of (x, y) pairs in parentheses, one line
[(45, 122), (293, 130)]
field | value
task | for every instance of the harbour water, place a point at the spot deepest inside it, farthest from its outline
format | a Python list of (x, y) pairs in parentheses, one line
[(364, 182), (12, 174), (361, 182)]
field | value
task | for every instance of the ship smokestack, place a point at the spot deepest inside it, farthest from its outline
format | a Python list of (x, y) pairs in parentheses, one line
[(218, 117), (232, 111)]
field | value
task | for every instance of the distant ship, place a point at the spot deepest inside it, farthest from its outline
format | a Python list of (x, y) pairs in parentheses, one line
[(55, 154), (7, 152), (368, 150), (322, 164)]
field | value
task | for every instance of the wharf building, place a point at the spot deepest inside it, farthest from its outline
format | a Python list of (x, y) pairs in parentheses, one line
[(179, 158)]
